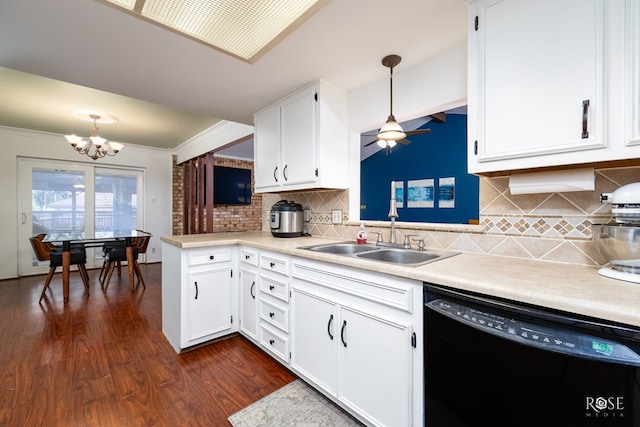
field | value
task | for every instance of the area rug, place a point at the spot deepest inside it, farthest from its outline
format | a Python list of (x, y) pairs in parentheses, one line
[(294, 405)]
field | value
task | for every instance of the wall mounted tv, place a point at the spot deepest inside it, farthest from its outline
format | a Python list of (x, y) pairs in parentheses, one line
[(231, 186)]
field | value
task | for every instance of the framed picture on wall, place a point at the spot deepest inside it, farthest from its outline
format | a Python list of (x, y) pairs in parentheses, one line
[(399, 187), (420, 193), (446, 192)]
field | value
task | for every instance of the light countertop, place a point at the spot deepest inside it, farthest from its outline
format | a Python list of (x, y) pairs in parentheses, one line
[(567, 287)]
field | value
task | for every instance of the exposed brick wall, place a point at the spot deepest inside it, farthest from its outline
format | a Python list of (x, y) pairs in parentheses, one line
[(226, 218), (178, 198)]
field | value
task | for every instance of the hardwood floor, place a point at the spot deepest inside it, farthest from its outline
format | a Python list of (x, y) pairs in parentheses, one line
[(102, 360)]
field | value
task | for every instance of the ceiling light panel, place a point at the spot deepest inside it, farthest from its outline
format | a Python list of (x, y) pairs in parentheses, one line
[(242, 28)]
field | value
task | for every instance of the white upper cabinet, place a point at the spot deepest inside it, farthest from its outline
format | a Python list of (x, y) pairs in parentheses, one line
[(632, 73), (301, 142), (546, 83)]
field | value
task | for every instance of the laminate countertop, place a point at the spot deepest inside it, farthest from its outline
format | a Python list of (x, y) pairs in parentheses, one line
[(567, 287)]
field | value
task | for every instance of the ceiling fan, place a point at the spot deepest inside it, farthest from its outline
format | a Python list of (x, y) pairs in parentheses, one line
[(391, 133)]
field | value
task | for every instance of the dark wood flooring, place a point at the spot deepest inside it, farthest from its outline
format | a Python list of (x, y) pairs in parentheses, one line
[(102, 360)]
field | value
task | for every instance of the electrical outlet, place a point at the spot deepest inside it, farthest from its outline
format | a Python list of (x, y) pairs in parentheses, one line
[(336, 216), (153, 250)]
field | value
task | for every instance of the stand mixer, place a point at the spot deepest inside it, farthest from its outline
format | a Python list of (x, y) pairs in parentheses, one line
[(619, 241)]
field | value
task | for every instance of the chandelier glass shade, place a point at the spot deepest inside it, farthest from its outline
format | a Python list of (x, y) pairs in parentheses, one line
[(95, 146)]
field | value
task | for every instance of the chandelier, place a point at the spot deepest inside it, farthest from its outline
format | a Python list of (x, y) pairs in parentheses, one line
[(95, 146)]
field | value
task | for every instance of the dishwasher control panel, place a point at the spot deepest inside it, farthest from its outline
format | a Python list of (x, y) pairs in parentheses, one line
[(528, 333)]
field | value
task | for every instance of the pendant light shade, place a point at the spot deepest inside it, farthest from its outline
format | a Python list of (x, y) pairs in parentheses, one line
[(391, 130)]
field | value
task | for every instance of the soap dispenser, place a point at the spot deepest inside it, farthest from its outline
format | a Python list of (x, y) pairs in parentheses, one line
[(361, 237)]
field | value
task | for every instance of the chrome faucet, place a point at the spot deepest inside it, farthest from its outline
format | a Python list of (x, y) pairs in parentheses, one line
[(393, 214)]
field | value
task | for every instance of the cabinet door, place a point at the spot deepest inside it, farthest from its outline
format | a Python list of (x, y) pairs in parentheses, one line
[(632, 77), (248, 303), (314, 336), (298, 133), (375, 367), (267, 148), (536, 80), (208, 301)]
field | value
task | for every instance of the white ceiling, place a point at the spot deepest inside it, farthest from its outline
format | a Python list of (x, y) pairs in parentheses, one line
[(165, 88)]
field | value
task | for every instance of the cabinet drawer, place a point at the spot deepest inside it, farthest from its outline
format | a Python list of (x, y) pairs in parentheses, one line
[(274, 342), (248, 256), (208, 256), (274, 313), (276, 288), (274, 263)]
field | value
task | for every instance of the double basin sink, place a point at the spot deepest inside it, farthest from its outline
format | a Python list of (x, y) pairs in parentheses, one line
[(393, 255)]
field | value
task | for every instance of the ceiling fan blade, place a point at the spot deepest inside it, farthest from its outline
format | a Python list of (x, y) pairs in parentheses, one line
[(404, 142), (439, 117), (417, 131), (371, 143)]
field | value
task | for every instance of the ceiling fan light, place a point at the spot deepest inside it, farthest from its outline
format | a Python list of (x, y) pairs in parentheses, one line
[(391, 130), (391, 143), (381, 143)]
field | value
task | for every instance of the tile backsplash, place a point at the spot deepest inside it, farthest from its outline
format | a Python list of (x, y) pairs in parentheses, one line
[(553, 226)]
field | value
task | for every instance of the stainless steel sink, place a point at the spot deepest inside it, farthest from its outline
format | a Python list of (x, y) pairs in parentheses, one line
[(408, 257), (404, 256), (345, 248)]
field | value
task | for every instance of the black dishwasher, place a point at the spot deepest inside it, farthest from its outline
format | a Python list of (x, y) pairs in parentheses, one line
[(493, 362)]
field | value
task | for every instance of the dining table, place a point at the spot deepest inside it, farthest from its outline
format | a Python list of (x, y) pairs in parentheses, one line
[(67, 239)]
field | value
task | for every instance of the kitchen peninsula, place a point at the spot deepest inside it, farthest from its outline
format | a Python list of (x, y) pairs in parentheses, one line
[(339, 321), (571, 288)]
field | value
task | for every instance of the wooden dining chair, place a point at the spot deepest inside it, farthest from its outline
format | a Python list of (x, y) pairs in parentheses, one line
[(113, 259), (117, 254), (106, 248), (45, 251), (141, 244)]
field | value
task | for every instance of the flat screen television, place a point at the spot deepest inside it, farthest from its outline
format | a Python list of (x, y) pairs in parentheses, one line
[(231, 186)]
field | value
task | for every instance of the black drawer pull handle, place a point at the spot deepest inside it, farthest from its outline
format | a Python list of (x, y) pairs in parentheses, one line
[(253, 285), (196, 283), (284, 173), (585, 119), (272, 264), (271, 314), (275, 174), (344, 326), (271, 287), (247, 256), (272, 341), (329, 327), (211, 257)]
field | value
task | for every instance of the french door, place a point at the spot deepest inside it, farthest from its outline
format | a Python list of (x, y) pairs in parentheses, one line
[(74, 198)]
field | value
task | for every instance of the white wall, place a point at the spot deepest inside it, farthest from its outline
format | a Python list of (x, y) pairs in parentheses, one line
[(430, 87), (157, 166)]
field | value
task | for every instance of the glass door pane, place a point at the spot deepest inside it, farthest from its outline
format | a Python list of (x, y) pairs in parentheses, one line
[(52, 197), (116, 201), (57, 201)]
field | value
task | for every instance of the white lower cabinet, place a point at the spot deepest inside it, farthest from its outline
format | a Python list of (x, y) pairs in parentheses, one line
[(375, 366), (248, 303), (273, 304), (249, 293), (315, 340), (355, 335), (361, 353), (198, 296), (208, 303)]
